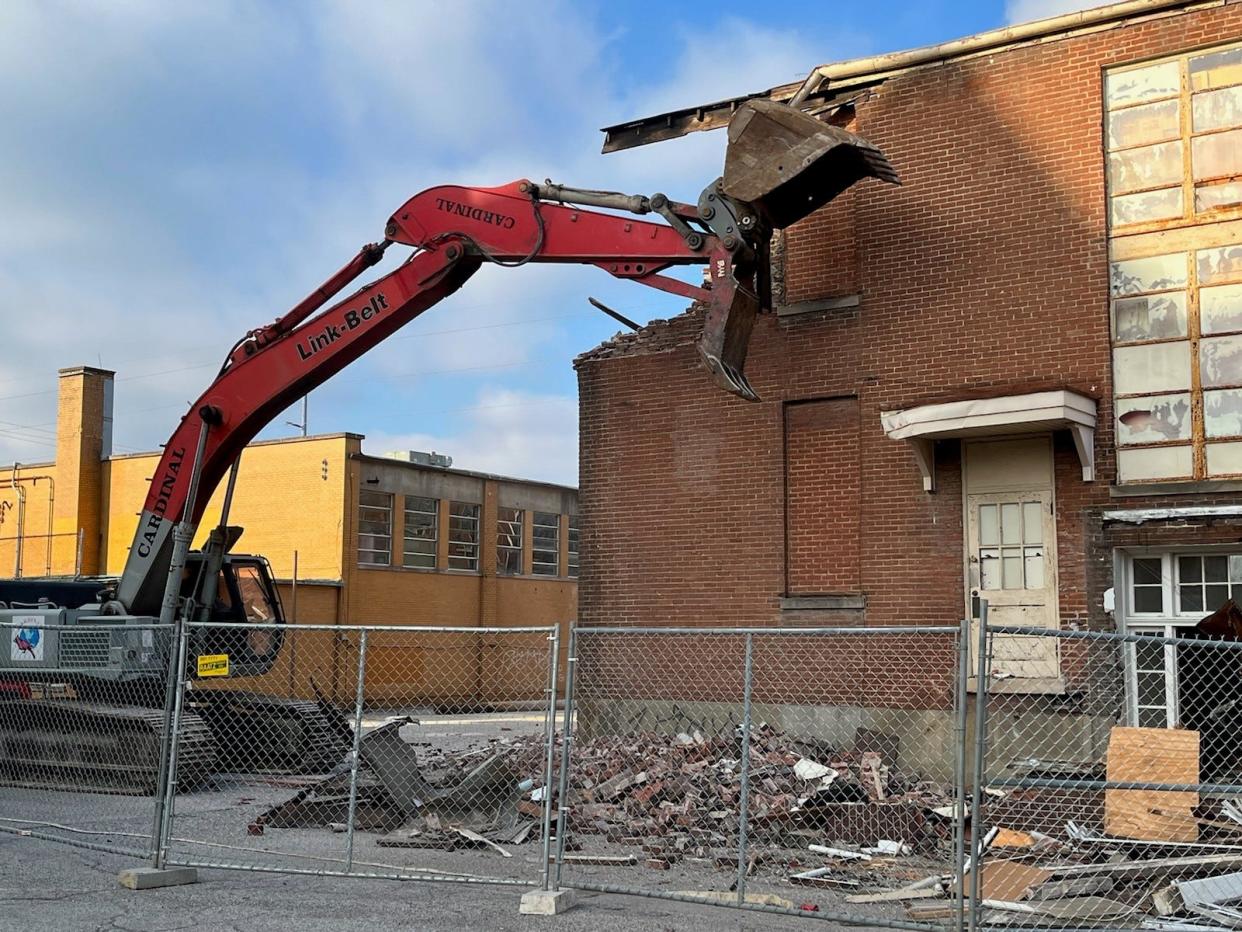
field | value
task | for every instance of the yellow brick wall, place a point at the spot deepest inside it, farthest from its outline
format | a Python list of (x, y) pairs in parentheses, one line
[(36, 484), (290, 496)]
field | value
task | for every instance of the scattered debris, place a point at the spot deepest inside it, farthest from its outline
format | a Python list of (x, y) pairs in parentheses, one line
[(752, 899), (1008, 880), (918, 890), (842, 853), (822, 876)]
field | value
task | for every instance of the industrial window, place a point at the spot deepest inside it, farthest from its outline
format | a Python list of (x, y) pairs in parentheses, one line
[(547, 534), (509, 541), (571, 570), (422, 530), (463, 551), (1174, 137), (374, 528)]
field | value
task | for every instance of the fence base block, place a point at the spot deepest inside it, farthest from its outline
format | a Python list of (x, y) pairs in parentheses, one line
[(149, 878), (547, 902)]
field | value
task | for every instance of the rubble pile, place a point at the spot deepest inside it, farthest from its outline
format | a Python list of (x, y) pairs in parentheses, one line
[(644, 785)]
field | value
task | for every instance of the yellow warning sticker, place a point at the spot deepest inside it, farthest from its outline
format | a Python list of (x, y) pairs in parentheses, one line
[(213, 665)]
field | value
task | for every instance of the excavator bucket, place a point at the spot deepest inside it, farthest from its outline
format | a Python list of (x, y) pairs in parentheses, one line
[(785, 163)]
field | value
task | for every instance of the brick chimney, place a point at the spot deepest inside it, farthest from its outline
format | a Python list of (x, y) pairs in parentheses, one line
[(83, 442)]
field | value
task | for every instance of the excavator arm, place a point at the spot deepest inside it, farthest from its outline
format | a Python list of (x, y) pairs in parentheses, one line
[(453, 231)]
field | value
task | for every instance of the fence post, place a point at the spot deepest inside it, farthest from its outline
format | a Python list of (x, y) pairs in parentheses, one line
[(170, 762), (959, 772), (353, 764), (980, 770), (567, 739), (744, 801), (550, 742)]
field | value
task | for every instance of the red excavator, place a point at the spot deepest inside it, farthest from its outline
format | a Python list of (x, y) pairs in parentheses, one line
[(96, 641)]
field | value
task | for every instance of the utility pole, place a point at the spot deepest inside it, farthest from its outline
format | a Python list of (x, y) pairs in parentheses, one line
[(305, 417)]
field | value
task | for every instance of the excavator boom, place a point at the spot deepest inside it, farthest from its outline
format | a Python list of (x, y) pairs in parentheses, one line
[(454, 230)]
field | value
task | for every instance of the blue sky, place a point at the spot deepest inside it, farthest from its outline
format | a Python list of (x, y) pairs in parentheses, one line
[(175, 174)]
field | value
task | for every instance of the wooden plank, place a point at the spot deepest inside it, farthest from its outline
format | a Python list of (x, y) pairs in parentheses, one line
[(1152, 755), (1008, 880)]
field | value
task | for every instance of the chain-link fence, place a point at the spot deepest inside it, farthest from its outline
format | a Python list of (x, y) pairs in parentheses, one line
[(82, 731), (814, 772), (1109, 792), (412, 753)]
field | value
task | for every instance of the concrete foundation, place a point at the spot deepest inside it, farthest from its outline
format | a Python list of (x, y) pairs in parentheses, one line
[(547, 902), (150, 878)]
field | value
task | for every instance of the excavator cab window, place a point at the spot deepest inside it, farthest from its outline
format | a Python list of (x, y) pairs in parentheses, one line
[(246, 595)]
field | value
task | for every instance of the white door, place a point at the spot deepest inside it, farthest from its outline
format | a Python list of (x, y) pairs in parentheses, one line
[(1011, 553)]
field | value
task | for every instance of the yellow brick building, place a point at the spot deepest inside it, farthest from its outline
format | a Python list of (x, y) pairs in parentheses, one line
[(352, 538)]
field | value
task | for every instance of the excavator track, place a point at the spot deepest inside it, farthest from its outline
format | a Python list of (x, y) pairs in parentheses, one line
[(266, 734), (96, 748)]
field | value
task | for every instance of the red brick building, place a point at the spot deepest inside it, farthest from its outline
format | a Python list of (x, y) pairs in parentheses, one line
[(942, 377)]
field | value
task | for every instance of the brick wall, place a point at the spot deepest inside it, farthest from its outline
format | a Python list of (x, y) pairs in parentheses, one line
[(823, 482), (986, 273)]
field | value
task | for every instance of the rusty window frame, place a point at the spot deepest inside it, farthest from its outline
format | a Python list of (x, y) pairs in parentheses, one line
[(1200, 442), (1186, 96)]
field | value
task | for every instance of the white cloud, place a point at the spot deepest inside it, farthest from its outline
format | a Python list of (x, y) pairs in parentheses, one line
[(1025, 11), (507, 432), (178, 175)]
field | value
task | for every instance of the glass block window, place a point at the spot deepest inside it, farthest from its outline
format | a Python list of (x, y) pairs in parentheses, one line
[(546, 553), (374, 528), (572, 557), (463, 549), (509, 541), (422, 530)]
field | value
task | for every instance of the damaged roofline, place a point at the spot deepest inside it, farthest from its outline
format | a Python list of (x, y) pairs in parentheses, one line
[(827, 82)]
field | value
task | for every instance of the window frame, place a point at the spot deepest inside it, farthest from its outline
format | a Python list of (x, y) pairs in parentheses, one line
[(506, 550), (406, 538), (1200, 417), (1187, 134), (573, 544), (1168, 622), (543, 567), (364, 507), (469, 543)]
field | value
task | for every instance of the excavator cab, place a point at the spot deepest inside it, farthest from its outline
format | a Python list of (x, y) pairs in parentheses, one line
[(245, 594), (781, 164)]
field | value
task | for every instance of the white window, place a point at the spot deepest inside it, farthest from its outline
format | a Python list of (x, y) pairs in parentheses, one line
[(1165, 594), (509, 541), (463, 553), (546, 553), (422, 530), (374, 528)]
